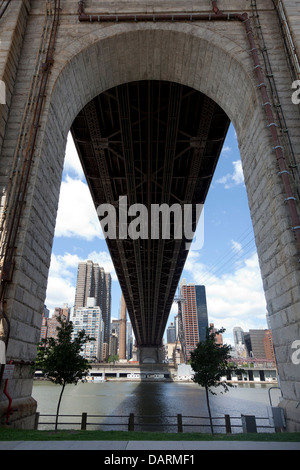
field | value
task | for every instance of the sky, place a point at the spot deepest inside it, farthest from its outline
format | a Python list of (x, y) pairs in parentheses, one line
[(227, 263)]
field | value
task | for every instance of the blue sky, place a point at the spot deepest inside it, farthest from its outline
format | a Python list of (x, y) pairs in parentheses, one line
[(227, 264)]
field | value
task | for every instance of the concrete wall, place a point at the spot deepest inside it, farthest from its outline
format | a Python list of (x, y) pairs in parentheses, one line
[(212, 57)]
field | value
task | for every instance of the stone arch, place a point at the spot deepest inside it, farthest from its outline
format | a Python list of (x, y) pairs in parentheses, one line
[(190, 55)]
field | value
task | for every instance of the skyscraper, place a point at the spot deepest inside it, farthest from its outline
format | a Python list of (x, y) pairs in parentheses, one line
[(93, 282), (171, 333), (89, 318), (194, 315), (201, 312), (107, 308), (122, 337), (238, 336)]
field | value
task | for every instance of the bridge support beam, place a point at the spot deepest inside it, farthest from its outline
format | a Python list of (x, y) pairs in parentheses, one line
[(150, 355)]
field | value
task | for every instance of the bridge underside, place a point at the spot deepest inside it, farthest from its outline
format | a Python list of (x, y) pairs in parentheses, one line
[(154, 142)]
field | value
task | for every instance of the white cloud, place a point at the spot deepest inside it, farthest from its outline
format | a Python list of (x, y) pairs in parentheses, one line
[(61, 280), (59, 291), (77, 216), (236, 246), (63, 265), (226, 149), (235, 178), (72, 164), (233, 299)]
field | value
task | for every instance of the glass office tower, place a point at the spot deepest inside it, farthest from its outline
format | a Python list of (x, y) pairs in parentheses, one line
[(201, 312)]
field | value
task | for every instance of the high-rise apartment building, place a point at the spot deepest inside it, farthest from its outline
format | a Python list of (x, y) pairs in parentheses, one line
[(194, 315), (50, 324), (89, 319), (92, 281)]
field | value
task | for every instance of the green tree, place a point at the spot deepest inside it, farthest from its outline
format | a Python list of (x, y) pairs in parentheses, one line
[(210, 362), (61, 359), (114, 358)]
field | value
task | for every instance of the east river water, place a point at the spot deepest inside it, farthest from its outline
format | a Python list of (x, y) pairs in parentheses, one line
[(152, 401)]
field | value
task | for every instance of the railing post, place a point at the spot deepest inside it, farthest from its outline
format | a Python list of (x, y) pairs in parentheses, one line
[(83, 421), (179, 423), (227, 424), (36, 420), (131, 422), (249, 423)]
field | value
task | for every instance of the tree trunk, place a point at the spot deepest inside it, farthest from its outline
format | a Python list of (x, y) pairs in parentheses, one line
[(58, 405), (209, 413)]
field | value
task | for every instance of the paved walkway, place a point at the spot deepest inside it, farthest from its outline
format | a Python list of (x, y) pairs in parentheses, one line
[(178, 446)]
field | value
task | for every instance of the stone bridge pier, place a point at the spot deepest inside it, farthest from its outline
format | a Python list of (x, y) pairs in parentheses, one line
[(57, 55)]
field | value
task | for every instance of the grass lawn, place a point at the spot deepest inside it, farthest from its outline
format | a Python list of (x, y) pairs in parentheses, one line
[(32, 435)]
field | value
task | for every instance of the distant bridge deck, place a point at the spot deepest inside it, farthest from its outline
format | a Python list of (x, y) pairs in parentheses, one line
[(261, 372)]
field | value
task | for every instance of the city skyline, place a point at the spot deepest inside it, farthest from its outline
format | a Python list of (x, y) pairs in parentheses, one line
[(227, 264), (255, 344)]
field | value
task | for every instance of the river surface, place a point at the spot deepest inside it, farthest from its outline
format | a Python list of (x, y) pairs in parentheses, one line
[(152, 401)]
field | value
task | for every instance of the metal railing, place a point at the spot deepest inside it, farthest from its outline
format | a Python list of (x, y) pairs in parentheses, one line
[(175, 423)]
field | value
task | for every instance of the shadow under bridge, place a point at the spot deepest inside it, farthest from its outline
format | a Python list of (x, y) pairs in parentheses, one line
[(149, 143)]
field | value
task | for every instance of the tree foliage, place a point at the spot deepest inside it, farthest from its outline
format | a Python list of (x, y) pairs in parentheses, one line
[(211, 362), (60, 358), (114, 358)]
